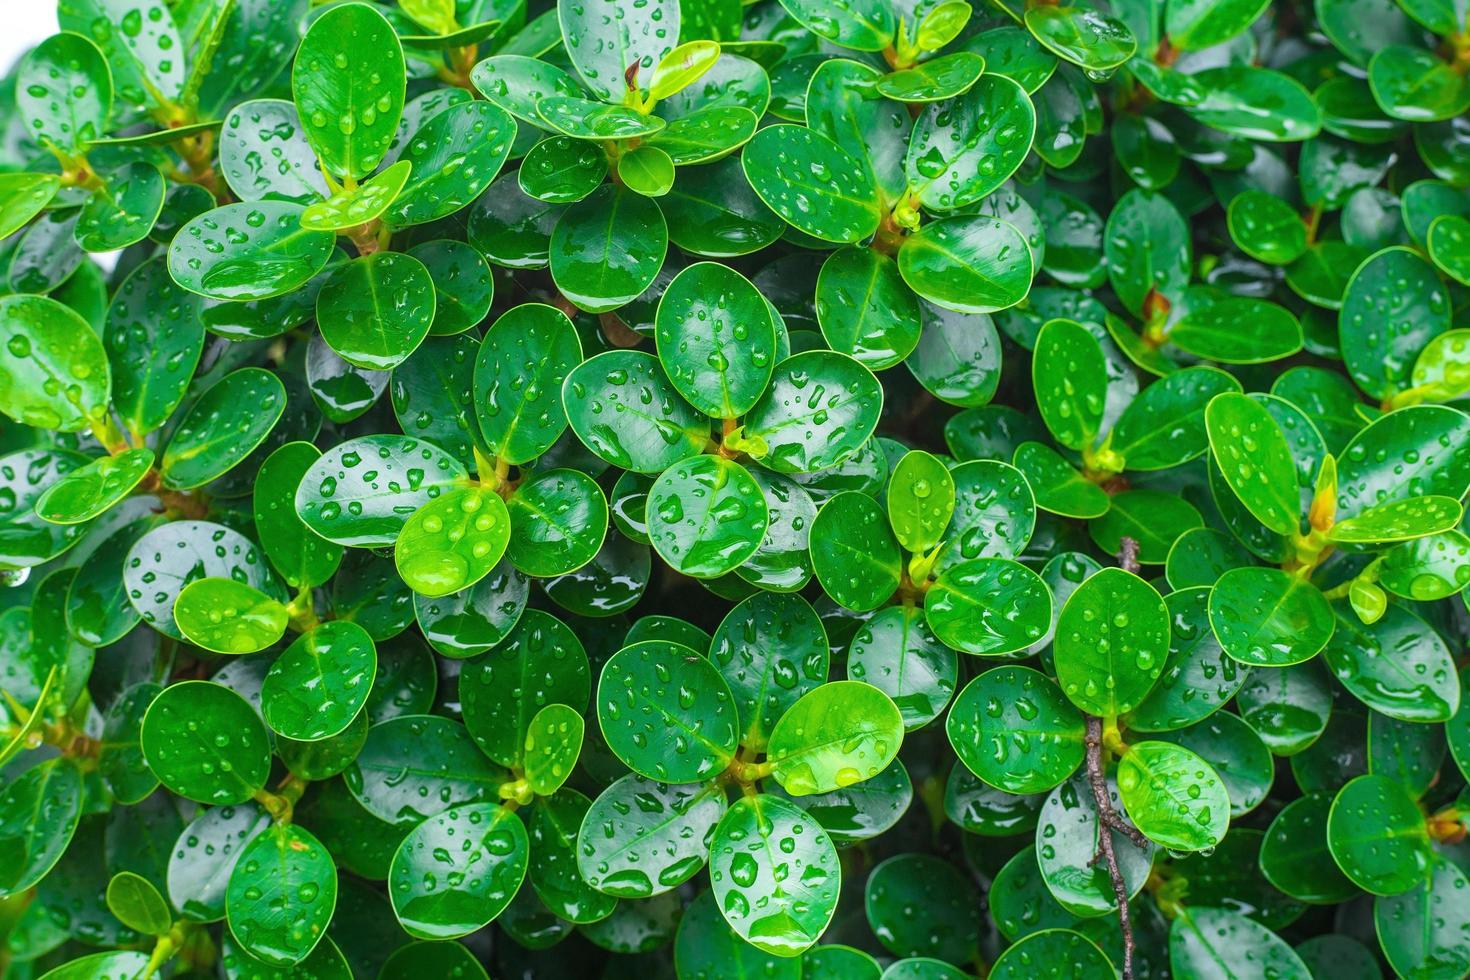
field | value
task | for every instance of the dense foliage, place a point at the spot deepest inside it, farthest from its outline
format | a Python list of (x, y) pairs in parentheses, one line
[(803, 489)]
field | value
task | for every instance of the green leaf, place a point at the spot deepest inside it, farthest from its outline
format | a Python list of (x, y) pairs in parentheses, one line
[(39, 809), (302, 558), (455, 155), (320, 683), (641, 838), (1147, 245), (1265, 227), (1012, 727), (1412, 84), (957, 358), (209, 442), (834, 736), (775, 875), (921, 500), (814, 184), (607, 42), (1057, 953), (1165, 426), (1173, 796), (908, 881), (995, 512), (1416, 684), (375, 310), (558, 521), (646, 170), (1265, 617), (270, 128), (1089, 39), (819, 410), (1238, 331), (206, 743), (1256, 103), (348, 84), (896, 652), (716, 339), (1112, 640), (637, 714), (623, 408), (1423, 929), (137, 904), (706, 516), (227, 616), (865, 309), (1255, 460), (154, 338), (965, 148), (1202, 939), (88, 491), (1069, 374), (481, 836), (1398, 520), (1423, 450), (281, 895), (22, 197), (968, 264), (123, 211), (553, 743), (988, 606), (1377, 836), (361, 493), (607, 248), (854, 553), (248, 251), (945, 77), (1193, 25), (1449, 246), (349, 208), (55, 375), (1058, 486), (1428, 568), (63, 91), (525, 357), (452, 541)]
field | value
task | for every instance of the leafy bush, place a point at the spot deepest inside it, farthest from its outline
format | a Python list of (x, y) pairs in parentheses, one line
[(480, 520)]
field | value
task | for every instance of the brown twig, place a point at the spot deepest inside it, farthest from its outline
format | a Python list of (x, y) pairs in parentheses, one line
[(1128, 555), (1109, 820)]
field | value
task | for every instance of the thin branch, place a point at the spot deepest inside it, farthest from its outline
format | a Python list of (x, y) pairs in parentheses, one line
[(1128, 555), (1109, 820)]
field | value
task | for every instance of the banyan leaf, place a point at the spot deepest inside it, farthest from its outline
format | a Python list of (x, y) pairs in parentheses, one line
[(813, 183), (1012, 727), (1112, 640), (767, 848), (968, 264), (988, 606), (819, 409), (607, 248), (64, 92), (834, 736), (716, 339), (633, 703), (854, 553), (56, 373), (963, 149), (348, 85), (1255, 460)]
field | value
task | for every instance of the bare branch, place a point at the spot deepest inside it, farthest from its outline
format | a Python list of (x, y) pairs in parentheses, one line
[(1109, 820), (1128, 555)]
